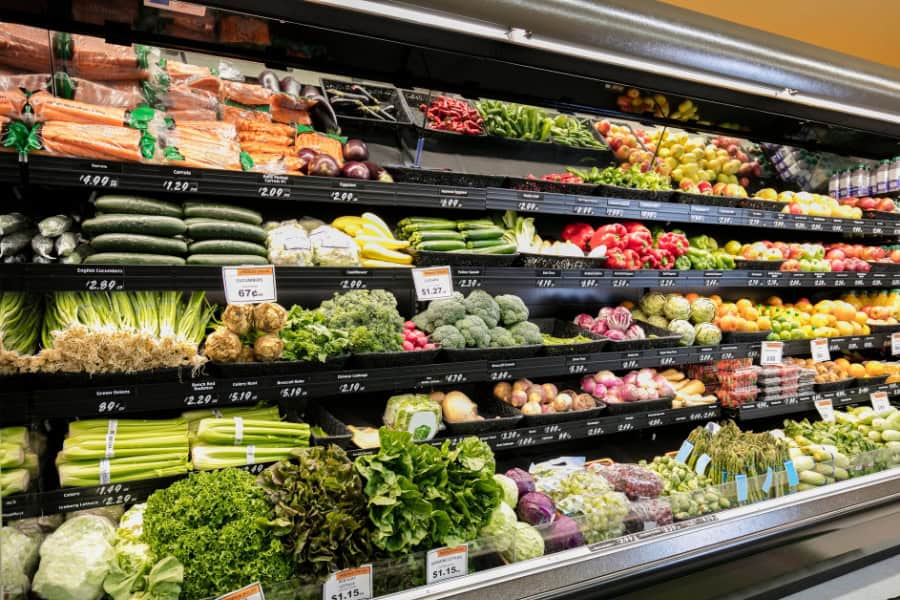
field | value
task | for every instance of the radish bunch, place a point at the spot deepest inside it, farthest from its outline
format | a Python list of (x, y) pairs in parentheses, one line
[(415, 339)]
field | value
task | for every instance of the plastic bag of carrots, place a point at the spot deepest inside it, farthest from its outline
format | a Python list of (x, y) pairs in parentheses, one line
[(102, 142), (94, 59), (25, 48)]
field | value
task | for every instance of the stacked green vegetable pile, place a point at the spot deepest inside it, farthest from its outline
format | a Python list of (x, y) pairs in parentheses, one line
[(237, 440), (308, 336), (19, 455), (101, 451), (535, 124), (369, 317), (480, 236), (224, 235), (632, 177), (479, 321), (689, 493)]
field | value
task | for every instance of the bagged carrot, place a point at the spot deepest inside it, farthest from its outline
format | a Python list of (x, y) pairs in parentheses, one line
[(48, 108), (92, 58), (106, 142), (26, 48)]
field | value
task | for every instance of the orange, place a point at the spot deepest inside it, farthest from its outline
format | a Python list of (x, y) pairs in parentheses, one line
[(717, 299), (856, 370), (728, 323), (804, 306), (728, 309), (774, 301), (751, 314), (842, 363), (692, 296), (861, 318), (764, 323), (874, 368)]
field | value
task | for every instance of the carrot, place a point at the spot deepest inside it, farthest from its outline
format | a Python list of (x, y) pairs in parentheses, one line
[(236, 115), (263, 148), (192, 115), (182, 97), (26, 48), (218, 128), (263, 127), (94, 59), (245, 93), (210, 83), (11, 103), (179, 71), (91, 141), (120, 96), (48, 108), (288, 115), (265, 138)]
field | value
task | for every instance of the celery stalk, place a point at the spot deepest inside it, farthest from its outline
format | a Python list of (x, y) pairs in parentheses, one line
[(95, 450), (218, 457), (126, 425), (17, 436), (222, 431), (13, 482), (11, 455), (88, 473)]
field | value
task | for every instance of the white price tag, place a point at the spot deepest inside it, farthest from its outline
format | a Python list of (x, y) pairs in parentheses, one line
[(249, 285), (826, 410), (770, 353), (895, 343), (432, 283), (446, 563), (880, 401), (253, 591), (349, 584), (818, 349)]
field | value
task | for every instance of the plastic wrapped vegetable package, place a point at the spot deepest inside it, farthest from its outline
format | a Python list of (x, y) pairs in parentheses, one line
[(333, 248), (416, 413), (289, 244)]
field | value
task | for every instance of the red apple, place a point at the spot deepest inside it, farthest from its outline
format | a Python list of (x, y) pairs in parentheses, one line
[(796, 209), (878, 253), (894, 256), (886, 204), (604, 126), (837, 265), (790, 265), (705, 187), (835, 254), (867, 203)]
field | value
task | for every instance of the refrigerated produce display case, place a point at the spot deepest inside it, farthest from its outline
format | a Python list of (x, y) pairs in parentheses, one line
[(441, 300)]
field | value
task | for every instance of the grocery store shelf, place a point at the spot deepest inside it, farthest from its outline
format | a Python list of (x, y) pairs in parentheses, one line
[(56, 277), (80, 396), (113, 176), (762, 409), (577, 572)]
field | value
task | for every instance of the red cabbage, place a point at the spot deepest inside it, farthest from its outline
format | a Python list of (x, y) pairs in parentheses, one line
[(563, 534), (635, 332), (536, 508), (584, 321), (615, 334), (523, 480), (620, 319)]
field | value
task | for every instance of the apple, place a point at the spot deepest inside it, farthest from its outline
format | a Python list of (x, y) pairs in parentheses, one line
[(790, 265), (705, 187), (877, 253), (796, 209), (851, 201), (603, 126), (886, 205), (867, 203), (837, 265), (894, 256)]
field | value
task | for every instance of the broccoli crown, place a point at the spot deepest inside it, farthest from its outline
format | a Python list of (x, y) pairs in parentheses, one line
[(501, 338), (370, 318), (480, 304), (527, 333), (448, 336), (475, 330), (512, 309)]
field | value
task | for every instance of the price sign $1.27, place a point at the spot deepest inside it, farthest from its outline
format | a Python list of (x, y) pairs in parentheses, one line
[(432, 283), (249, 285)]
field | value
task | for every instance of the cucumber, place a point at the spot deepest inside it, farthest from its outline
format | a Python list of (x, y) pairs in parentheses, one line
[(226, 230), (143, 244), (227, 247), (132, 258), (128, 223), (226, 259), (136, 205), (222, 212)]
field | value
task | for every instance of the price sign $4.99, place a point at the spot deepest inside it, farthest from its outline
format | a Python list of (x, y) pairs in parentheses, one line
[(349, 584), (432, 283)]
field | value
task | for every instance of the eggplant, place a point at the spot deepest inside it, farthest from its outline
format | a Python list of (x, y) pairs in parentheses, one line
[(322, 112), (307, 154), (355, 150), (378, 173), (291, 86), (269, 80), (323, 166), (355, 170)]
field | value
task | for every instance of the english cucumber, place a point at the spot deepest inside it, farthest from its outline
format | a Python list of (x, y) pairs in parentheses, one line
[(226, 230), (226, 259), (133, 223), (137, 205), (132, 258), (227, 247), (141, 244), (223, 212)]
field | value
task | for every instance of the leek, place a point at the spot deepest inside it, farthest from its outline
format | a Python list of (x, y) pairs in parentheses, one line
[(88, 473), (14, 436), (219, 457), (145, 307), (194, 318), (124, 310), (13, 482), (256, 432), (168, 304)]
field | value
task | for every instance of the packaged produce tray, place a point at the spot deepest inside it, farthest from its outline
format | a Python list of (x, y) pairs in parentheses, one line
[(615, 191), (737, 397), (386, 95), (549, 261), (428, 258), (562, 417), (278, 367), (757, 265), (884, 267), (338, 434), (377, 360), (744, 337), (863, 381), (566, 329), (832, 386), (414, 99), (664, 339), (498, 416), (625, 408), (493, 353), (404, 174), (705, 199), (737, 378)]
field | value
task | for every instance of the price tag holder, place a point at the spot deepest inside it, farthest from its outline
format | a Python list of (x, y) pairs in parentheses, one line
[(684, 452), (432, 283), (253, 591), (792, 476), (249, 285), (826, 410), (770, 353), (740, 481), (818, 349), (895, 343), (349, 584), (880, 401), (446, 563), (702, 463), (767, 484)]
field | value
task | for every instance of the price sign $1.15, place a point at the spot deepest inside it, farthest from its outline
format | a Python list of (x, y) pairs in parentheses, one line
[(432, 283), (349, 584), (446, 563)]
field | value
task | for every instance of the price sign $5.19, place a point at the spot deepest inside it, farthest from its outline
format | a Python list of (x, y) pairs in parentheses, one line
[(432, 283), (446, 563), (249, 285), (349, 584)]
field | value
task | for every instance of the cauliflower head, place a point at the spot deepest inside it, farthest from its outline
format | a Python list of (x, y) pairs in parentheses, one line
[(527, 333), (512, 309), (480, 304), (475, 330)]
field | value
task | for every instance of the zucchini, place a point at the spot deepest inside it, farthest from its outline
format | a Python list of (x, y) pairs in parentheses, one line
[(441, 245), (132, 258), (227, 247), (223, 212), (136, 205), (226, 259), (485, 243), (226, 230), (128, 223), (484, 234), (428, 236), (142, 244), (501, 249)]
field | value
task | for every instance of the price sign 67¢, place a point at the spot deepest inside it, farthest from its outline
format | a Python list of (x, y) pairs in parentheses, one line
[(246, 285)]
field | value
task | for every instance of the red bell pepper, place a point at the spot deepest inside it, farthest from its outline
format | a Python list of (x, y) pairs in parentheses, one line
[(610, 236), (675, 243), (639, 241), (623, 260), (633, 226), (579, 234), (649, 260), (664, 259)]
